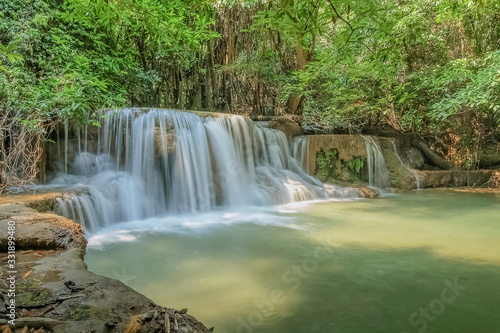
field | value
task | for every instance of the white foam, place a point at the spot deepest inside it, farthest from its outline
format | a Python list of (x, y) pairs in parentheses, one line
[(191, 224)]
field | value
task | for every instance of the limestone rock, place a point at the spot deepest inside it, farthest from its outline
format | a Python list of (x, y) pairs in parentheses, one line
[(368, 192), (288, 126), (415, 158)]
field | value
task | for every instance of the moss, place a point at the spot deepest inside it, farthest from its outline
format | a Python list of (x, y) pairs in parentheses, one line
[(35, 298), (330, 167), (327, 164), (44, 205), (353, 177), (80, 312)]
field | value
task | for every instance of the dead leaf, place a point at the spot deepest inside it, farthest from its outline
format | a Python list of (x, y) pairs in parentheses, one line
[(27, 313), (134, 325), (39, 254), (27, 274), (40, 330), (5, 329), (25, 330)]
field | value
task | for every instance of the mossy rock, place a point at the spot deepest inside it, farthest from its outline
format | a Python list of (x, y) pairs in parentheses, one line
[(81, 312), (34, 298)]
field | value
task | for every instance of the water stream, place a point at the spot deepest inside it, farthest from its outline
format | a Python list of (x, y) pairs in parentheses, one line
[(378, 175)]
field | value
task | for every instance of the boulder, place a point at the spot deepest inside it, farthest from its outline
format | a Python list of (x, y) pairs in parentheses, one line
[(415, 158)]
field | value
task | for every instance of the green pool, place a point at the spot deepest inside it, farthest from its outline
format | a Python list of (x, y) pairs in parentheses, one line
[(424, 261)]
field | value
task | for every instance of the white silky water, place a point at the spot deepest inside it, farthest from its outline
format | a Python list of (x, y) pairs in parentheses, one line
[(377, 172), (159, 162)]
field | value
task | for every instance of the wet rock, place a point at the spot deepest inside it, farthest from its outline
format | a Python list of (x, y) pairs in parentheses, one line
[(164, 140), (368, 192), (401, 175), (288, 126), (456, 178), (328, 157), (415, 158)]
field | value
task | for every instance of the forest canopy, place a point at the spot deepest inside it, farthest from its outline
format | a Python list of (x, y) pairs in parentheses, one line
[(425, 66)]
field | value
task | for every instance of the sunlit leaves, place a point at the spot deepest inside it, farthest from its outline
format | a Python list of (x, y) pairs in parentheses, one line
[(8, 52)]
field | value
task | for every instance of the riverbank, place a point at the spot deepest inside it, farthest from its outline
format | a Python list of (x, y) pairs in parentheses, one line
[(55, 293)]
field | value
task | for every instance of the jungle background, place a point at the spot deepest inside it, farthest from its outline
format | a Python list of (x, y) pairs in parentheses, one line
[(428, 67)]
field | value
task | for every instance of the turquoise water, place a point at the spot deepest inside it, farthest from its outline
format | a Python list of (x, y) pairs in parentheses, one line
[(425, 261)]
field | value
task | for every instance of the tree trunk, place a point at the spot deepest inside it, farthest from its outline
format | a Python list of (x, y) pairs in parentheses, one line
[(295, 103), (432, 156)]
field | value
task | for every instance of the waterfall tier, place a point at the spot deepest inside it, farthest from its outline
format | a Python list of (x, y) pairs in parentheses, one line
[(355, 159), (170, 162)]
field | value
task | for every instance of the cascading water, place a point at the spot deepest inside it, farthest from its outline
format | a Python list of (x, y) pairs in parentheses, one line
[(378, 176), (413, 172), (300, 151), (169, 162)]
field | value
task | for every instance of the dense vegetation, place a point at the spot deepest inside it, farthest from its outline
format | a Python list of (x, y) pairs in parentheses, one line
[(424, 66)]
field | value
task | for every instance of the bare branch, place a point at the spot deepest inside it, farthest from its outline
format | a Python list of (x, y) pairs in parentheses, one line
[(21, 148)]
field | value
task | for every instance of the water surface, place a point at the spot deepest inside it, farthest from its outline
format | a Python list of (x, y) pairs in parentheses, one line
[(425, 261)]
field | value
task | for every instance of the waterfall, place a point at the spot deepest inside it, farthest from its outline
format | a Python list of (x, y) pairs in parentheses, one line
[(300, 151), (378, 176), (404, 165), (156, 162)]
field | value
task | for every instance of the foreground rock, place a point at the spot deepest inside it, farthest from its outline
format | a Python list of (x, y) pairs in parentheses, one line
[(368, 192), (54, 291)]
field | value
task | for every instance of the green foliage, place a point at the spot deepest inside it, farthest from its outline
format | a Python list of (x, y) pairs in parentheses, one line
[(324, 159), (81, 56), (8, 52), (423, 66), (356, 164), (467, 84)]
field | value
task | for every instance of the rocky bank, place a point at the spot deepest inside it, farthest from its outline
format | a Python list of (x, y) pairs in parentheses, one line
[(55, 293)]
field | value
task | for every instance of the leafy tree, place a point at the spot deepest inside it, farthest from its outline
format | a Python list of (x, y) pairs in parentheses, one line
[(426, 66)]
